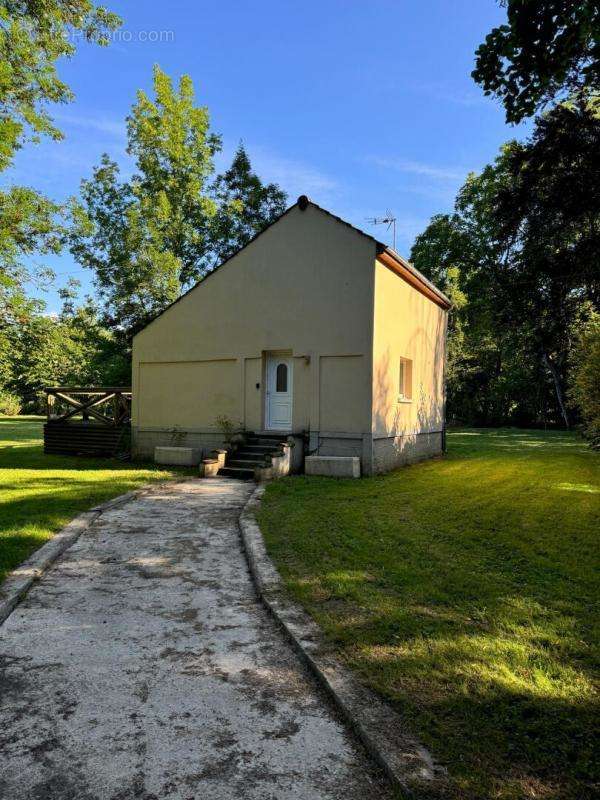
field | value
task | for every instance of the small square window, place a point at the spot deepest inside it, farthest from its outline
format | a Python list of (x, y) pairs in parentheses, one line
[(405, 379)]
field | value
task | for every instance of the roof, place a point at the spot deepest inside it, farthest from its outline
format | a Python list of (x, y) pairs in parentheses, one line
[(386, 255), (391, 259)]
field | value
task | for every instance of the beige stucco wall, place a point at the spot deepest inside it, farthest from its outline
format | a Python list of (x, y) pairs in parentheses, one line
[(406, 325), (304, 286), (168, 391)]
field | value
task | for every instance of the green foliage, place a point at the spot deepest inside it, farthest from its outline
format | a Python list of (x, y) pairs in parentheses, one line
[(148, 238), (29, 224), (174, 148), (33, 37), (74, 348), (10, 404), (227, 427), (245, 206), (585, 378), (544, 50), (134, 276), (461, 589), (549, 213), (490, 367), (145, 238), (456, 332), (524, 238)]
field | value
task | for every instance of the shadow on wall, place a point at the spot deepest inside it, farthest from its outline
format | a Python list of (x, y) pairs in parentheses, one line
[(403, 421)]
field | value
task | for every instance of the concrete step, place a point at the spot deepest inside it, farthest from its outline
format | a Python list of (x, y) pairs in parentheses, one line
[(243, 473), (263, 441), (279, 437), (266, 439), (246, 463), (257, 449)]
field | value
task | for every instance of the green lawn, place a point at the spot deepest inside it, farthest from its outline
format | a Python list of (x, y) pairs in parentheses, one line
[(39, 494), (463, 590)]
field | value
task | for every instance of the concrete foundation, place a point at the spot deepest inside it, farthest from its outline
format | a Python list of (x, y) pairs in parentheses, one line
[(376, 453), (333, 466), (144, 440), (396, 451), (177, 456)]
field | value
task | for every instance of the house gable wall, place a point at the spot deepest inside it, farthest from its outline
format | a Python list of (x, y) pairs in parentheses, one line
[(304, 286)]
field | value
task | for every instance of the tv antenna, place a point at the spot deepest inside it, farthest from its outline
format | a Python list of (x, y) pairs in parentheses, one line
[(389, 220)]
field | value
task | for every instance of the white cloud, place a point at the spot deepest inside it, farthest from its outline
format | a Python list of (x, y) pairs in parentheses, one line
[(294, 177), (467, 99), (100, 124), (439, 192), (432, 171), (466, 94)]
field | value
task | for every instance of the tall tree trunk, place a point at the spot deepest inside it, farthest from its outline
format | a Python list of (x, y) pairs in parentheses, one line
[(559, 393)]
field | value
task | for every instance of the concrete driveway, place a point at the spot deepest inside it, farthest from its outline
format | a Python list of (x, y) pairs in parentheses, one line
[(142, 665)]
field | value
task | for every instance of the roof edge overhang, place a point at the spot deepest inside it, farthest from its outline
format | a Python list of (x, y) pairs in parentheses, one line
[(405, 270)]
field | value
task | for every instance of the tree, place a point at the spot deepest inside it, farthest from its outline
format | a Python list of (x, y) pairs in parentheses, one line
[(485, 360), (151, 237), (29, 224), (245, 206), (69, 348), (33, 37), (148, 237), (546, 49), (135, 277), (174, 149), (461, 253), (524, 237), (585, 376), (550, 210), (441, 253)]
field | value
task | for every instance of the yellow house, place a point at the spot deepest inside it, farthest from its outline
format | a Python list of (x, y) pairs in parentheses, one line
[(314, 330)]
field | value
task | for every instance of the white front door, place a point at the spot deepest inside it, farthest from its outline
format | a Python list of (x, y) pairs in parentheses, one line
[(278, 412)]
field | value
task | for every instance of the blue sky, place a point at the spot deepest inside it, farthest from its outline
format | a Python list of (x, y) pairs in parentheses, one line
[(363, 105)]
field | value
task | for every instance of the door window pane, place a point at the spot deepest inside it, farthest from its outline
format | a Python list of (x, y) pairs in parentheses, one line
[(281, 379)]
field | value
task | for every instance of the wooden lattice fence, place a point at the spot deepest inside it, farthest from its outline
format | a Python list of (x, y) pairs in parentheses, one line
[(89, 420)]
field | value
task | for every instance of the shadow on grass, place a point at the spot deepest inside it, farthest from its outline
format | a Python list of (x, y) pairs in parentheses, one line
[(512, 716), (40, 493), (529, 748), (32, 456), (17, 547), (463, 590)]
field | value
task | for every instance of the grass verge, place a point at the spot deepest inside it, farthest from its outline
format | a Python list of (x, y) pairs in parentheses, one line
[(40, 493), (464, 590)]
